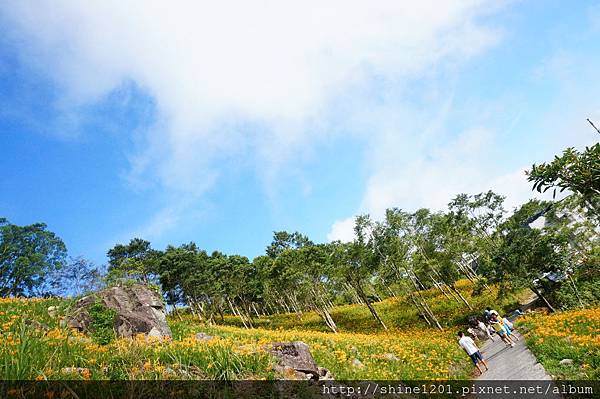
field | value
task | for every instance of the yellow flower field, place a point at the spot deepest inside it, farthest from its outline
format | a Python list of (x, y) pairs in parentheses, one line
[(28, 352), (571, 335)]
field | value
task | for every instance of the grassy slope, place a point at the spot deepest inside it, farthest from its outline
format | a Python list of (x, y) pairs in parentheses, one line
[(397, 313), (409, 350), (566, 335)]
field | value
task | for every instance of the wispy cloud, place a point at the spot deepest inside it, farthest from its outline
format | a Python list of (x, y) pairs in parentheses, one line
[(253, 80)]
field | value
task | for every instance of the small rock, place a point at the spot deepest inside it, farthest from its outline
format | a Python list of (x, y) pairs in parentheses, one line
[(74, 370), (295, 355), (80, 340), (289, 373), (203, 337), (390, 356), (357, 363), (154, 333), (52, 311), (566, 362), (36, 325), (325, 374)]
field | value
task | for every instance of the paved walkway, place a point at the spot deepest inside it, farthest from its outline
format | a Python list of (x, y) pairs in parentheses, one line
[(507, 363)]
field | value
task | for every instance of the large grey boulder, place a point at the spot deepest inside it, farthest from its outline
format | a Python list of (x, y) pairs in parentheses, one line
[(139, 310)]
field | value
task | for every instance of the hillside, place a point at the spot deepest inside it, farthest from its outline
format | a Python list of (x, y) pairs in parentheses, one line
[(35, 346)]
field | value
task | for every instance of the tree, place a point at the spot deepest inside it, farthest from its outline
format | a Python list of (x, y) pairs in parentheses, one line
[(527, 254), (578, 172), (283, 240), (27, 255), (77, 276), (394, 244), (357, 262), (136, 260)]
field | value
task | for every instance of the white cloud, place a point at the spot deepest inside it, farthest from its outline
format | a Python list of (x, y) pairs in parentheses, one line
[(342, 230), (215, 68)]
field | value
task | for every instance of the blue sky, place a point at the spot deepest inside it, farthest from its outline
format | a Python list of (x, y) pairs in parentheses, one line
[(222, 123)]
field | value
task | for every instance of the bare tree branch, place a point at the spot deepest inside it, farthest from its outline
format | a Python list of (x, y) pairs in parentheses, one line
[(594, 126)]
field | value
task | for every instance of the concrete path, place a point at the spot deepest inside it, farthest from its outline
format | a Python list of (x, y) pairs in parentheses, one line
[(507, 363)]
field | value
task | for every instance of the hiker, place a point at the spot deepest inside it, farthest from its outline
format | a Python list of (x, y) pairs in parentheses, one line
[(485, 328), (472, 350), (499, 328), (489, 313), (509, 327)]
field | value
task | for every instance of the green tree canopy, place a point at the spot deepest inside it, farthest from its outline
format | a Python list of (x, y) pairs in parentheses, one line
[(27, 255), (576, 171)]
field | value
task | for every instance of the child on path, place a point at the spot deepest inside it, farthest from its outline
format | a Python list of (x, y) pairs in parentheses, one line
[(508, 327), (472, 350), (499, 328)]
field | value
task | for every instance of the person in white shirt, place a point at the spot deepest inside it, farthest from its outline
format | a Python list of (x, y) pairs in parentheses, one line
[(472, 350)]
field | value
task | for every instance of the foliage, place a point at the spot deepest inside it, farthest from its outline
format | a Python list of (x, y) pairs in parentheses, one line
[(566, 335), (235, 353), (578, 172), (134, 261), (582, 288), (60, 353), (76, 277), (283, 240), (28, 254), (102, 323)]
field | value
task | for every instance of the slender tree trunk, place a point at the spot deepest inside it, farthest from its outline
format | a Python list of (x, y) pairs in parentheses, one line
[(255, 311), (323, 311), (176, 311), (461, 296), (454, 292), (236, 313), (575, 290), (363, 296), (438, 286), (426, 306), (220, 310), (542, 297)]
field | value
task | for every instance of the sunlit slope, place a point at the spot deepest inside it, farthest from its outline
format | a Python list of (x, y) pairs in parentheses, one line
[(362, 350), (397, 313)]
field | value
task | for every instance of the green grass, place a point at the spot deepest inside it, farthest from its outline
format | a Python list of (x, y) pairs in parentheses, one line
[(397, 313), (571, 335), (409, 350)]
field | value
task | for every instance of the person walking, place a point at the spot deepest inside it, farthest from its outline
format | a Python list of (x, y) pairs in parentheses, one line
[(472, 350), (499, 328), (508, 327), (489, 313)]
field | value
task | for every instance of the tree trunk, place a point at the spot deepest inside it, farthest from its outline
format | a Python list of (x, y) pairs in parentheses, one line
[(425, 305), (438, 286), (364, 298), (461, 296), (542, 297), (176, 311), (575, 290)]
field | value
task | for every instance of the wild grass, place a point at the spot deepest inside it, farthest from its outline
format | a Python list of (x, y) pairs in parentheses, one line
[(29, 352), (409, 350), (571, 335), (397, 312)]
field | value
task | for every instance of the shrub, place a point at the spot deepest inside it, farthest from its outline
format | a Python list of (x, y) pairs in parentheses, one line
[(103, 319)]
